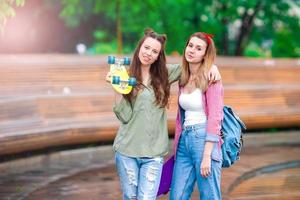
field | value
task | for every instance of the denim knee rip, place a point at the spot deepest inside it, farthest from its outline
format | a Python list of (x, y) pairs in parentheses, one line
[(131, 176)]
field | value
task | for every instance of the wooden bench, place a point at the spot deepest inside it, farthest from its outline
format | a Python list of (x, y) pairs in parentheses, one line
[(55, 100)]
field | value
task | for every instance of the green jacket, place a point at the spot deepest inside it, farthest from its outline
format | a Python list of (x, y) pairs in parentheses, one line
[(143, 131)]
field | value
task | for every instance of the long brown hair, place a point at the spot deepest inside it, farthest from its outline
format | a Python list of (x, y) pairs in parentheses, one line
[(201, 80), (158, 71)]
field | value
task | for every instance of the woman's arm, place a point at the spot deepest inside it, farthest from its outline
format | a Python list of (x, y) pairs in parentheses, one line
[(122, 108), (214, 99), (206, 159), (174, 71)]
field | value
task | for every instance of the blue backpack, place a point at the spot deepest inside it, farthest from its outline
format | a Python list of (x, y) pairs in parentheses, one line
[(232, 127)]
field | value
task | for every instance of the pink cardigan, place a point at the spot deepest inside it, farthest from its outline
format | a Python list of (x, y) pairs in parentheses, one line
[(213, 101)]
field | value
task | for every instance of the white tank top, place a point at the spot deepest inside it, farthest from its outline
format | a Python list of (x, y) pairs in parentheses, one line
[(193, 106)]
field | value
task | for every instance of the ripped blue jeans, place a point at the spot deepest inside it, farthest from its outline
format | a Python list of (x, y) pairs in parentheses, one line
[(139, 177)]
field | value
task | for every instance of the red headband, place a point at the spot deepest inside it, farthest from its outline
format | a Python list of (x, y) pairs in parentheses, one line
[(208, 37)]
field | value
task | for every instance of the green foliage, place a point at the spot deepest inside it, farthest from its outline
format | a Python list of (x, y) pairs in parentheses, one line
[(7, 10), (76, 11), (272, 32), (101, 45), (253, 50), (103, 48), (286, 45)]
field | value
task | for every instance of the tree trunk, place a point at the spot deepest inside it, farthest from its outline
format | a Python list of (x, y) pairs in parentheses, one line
[(246, 28), (119, 28), (225, 39)]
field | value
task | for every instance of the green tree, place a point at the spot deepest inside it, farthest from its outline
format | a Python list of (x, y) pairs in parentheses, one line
[(263, 21), (7, 10), (239, 27), (243, 24), (76, 11)]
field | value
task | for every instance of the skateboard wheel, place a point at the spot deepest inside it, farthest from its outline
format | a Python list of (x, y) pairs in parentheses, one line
[(132, 81), (116, 80), (111, 60), (126, 61)]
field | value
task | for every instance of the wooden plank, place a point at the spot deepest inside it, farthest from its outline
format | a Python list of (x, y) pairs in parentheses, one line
[(51, 100)]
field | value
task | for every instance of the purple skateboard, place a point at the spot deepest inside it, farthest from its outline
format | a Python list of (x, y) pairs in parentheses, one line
[(166, 177)]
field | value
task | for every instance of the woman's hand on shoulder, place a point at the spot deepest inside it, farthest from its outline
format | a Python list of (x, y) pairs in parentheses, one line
[(214, 74)]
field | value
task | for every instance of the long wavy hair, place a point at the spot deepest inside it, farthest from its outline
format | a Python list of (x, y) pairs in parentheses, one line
[(158, 71), (201, 79)]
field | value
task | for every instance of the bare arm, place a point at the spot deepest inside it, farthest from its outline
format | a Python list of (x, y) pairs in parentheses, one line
[(206, 159)]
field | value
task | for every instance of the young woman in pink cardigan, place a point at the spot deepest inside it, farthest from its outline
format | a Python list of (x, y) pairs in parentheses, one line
[(197, 137)]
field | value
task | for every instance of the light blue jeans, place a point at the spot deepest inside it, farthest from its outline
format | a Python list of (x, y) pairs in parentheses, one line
[(187, 167), (139, 177)]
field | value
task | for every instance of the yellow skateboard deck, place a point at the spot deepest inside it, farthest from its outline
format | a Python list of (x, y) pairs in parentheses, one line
[(120, 79)]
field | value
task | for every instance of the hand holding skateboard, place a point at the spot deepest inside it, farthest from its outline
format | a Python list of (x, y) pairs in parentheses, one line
[(119, 77)]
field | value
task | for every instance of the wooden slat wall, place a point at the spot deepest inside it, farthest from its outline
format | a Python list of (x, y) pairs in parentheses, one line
[(51, 100)]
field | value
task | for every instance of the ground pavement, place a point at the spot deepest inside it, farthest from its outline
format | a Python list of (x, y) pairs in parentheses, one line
[(269, 169)]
